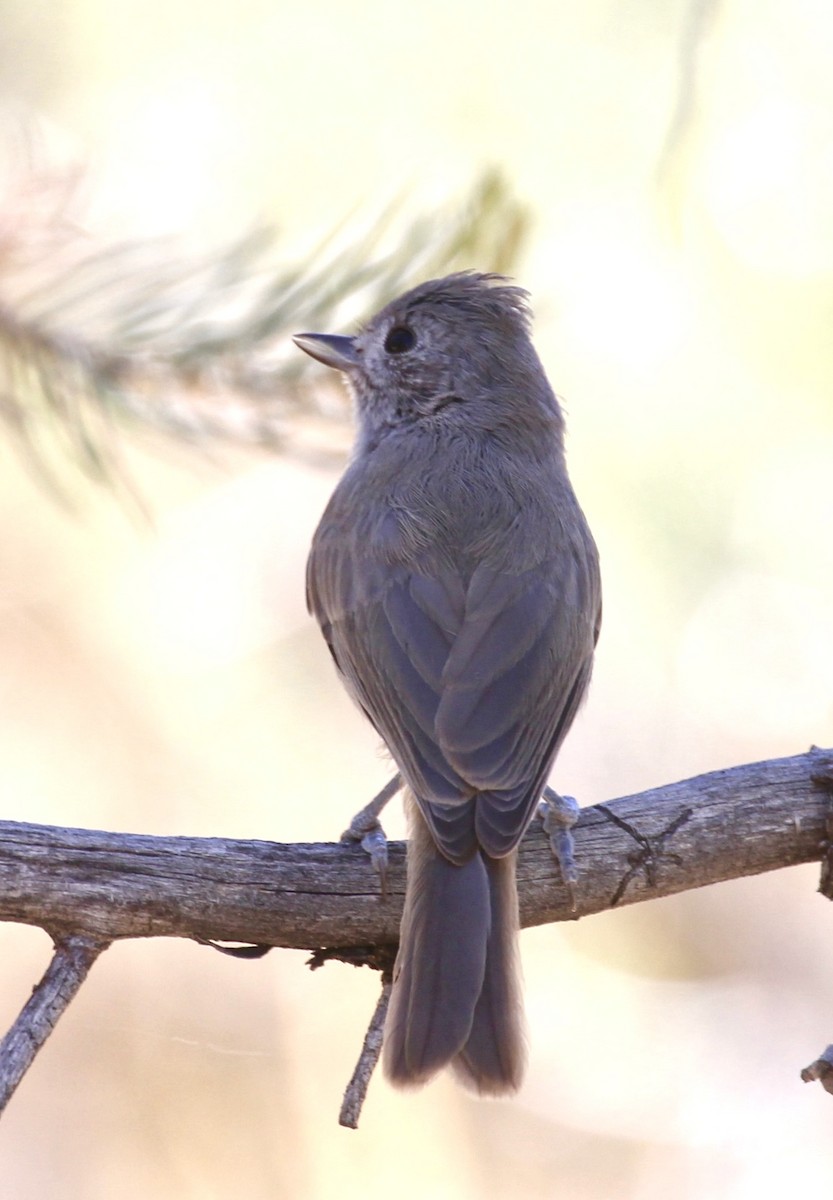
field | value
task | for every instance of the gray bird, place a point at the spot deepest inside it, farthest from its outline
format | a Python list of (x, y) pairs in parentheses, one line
[(457, 585)]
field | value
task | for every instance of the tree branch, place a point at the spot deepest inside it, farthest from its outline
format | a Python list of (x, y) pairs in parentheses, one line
[(50, 999), (97, 337), (741, 821), (88, 888), (356, 1089)]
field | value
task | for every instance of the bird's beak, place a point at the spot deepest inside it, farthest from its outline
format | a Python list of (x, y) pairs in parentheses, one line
[(329, 348)]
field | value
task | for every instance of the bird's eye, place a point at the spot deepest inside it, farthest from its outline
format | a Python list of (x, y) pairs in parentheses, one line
[(400, 340)]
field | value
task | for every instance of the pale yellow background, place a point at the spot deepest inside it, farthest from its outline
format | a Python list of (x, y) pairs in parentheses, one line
[(169, 681)]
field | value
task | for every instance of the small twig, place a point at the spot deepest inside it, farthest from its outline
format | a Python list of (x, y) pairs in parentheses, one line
[(66, 972), (356, 1090), (821, 1069)]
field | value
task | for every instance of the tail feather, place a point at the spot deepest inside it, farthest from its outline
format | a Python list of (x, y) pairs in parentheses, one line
[(456, 996), (493, 1059)]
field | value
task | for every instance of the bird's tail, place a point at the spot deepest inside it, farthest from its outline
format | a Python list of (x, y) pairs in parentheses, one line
[(456, 994)]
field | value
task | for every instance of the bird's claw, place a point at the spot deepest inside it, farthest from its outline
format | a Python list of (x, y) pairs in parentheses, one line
[(366, 829), (559, 814)]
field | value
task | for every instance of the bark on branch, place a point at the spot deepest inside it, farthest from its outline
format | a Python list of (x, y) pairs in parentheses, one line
[(88, 888), (49, 1001), (741, 821)]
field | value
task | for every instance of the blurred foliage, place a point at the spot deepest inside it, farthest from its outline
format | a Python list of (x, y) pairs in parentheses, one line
[(94, 336)]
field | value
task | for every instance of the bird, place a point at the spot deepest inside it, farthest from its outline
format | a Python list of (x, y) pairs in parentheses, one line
[(457, 585)]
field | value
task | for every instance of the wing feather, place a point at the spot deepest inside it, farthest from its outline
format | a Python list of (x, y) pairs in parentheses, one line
[(472, 683)]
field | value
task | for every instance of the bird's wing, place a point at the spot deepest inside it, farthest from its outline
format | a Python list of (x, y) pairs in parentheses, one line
[(513, 682), (471, 686)]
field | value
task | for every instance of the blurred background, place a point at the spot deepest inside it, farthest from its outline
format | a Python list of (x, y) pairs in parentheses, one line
[(672, 163)]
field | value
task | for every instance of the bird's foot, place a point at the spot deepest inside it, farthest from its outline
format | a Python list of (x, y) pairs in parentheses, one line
[(559, 814), (366, 829)]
